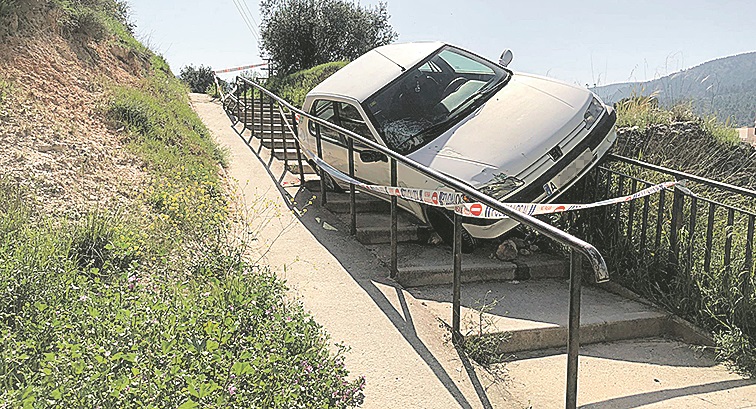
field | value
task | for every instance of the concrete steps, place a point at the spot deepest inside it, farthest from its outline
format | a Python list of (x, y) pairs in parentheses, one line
[(523, 304), (533, 315), (424, 265)]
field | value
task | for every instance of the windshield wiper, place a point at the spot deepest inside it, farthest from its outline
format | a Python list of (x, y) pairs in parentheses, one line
[(468, 102)]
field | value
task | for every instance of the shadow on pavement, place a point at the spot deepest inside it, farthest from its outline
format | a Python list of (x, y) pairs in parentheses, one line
[(367, 281), (648, 398)]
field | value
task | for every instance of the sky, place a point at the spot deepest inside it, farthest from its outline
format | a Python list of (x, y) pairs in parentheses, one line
[(583, 42)]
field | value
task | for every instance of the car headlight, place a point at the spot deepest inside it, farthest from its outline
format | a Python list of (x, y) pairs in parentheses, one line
[(500, 187), (593, 113)]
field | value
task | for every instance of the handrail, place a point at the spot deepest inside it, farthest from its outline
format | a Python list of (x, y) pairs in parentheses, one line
[(220, 90), (683, 175), (601, 272)]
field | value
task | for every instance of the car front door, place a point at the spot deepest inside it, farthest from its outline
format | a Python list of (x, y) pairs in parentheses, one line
[(333, 143)]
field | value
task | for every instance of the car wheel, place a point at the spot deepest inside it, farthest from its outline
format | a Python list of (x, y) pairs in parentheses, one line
[(442, 222), (332, 186)]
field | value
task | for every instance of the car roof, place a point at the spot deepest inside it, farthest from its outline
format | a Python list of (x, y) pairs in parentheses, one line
[(370, 72)]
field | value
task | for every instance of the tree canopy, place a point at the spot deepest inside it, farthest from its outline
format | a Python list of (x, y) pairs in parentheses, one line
[(300, 34)]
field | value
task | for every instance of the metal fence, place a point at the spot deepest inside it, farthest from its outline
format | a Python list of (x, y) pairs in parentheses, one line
[(249, 97), (680, 239)]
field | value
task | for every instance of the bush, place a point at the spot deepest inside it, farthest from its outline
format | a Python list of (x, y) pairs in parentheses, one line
[(140, 337), (198, 79)]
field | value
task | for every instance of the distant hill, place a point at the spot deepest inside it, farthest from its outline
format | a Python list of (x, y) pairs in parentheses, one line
[(725, 87)]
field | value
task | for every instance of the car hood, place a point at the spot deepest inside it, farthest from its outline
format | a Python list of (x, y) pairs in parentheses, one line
[(519, 124)]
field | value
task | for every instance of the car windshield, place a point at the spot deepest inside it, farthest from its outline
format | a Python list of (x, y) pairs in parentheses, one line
[(427, 100)]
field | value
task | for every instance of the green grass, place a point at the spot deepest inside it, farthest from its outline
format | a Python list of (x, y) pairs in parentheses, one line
[(294, 87), (98, 311), (644, 111), (153, 304)]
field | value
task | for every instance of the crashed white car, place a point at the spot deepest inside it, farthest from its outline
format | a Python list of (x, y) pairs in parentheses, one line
[(516, 137)]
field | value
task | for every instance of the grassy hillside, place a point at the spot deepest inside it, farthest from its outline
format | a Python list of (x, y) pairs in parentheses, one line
[(725, 87), (122, 284), (294, 87)]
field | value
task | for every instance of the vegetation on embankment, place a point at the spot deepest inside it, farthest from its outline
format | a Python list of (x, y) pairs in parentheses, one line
[(150, 302), (722, 298), (294, 87)]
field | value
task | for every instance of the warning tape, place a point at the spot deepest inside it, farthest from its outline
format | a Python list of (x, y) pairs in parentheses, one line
[(458, 201), (246, 67)]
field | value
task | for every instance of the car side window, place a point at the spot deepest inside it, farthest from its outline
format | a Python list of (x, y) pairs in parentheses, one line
[(326, 110), (352, 120)]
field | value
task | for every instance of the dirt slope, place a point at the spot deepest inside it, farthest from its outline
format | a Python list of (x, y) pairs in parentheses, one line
[(53, 133)]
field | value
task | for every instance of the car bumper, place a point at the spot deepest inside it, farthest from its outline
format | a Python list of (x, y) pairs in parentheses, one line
[(564, 174)]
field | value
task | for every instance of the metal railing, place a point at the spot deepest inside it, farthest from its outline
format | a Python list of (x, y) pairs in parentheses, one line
[(243, 104), (678, 235)]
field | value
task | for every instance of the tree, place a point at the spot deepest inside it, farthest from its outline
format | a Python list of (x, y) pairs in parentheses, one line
[(198, 79), (300, 34)]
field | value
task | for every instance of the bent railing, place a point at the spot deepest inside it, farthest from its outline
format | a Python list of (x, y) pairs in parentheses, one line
[(249, 96)]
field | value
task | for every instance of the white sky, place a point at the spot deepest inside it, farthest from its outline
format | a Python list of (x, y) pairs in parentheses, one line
[(579, 41)]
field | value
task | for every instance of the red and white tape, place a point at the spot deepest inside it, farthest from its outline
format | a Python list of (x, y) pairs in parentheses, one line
[(456, 201), (246, 67)]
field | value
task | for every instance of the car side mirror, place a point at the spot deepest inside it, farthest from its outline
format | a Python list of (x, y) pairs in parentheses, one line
[(506, 57), (372, 156)]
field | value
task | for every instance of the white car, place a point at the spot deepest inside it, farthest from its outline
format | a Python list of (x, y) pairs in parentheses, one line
[(516, 137)]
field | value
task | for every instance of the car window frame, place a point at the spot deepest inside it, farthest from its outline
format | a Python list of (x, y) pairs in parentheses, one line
[(401, 77), (373, 135)]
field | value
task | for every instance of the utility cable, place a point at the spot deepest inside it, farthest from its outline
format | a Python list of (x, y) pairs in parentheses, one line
[(246, 20)]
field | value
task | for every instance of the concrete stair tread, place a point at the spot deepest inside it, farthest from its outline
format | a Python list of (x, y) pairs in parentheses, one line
[(422, 265), (534, 313), (374, 228), (339, 203)]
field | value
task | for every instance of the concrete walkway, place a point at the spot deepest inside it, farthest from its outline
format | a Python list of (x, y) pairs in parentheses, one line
[(397, 340)]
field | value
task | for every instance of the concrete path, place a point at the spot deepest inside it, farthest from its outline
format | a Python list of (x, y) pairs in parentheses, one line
[(397, 340)]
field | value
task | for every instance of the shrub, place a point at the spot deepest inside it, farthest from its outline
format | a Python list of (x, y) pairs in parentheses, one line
[(198, 79), (143, 338), (300, 34)]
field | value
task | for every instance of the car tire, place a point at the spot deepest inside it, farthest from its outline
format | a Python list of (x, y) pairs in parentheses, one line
[(332, 186), (442, 222)]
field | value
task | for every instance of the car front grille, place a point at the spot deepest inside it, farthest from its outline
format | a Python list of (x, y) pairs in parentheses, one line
[(532, 191)]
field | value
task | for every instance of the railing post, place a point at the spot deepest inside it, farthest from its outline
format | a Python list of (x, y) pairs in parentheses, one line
[(678, 201), (457, 286), (270, 121), (246, 106), (284, 135), (323, 175), (238, 98), (252, 110), (352, 195), (298, 148), (394, 221), (573, 342)]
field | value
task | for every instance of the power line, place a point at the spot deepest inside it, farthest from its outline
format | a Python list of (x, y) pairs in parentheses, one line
[(251, 16), (246, 20)]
